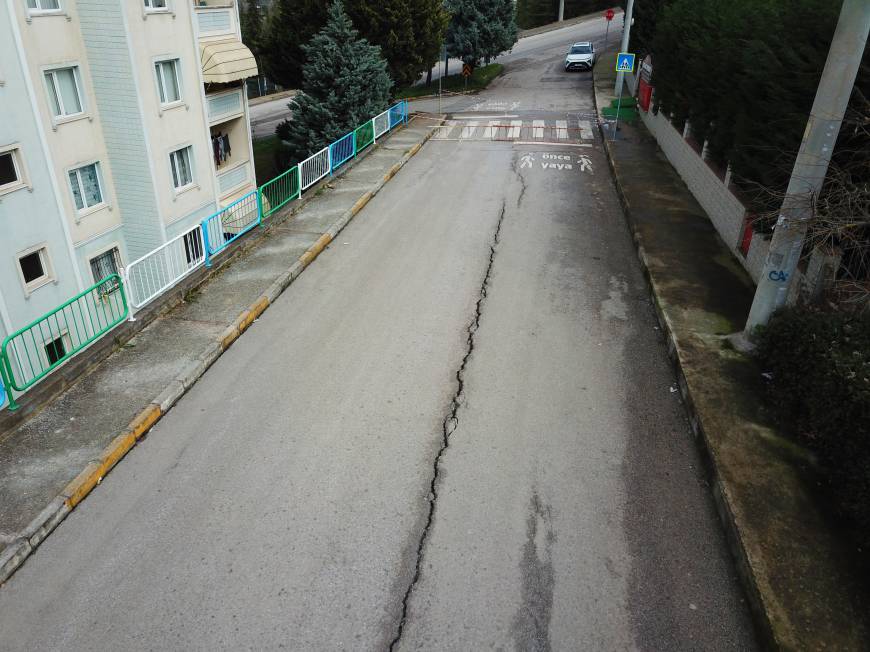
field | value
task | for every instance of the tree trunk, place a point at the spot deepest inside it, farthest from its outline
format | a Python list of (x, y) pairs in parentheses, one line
[(446, 62), (429, 77)]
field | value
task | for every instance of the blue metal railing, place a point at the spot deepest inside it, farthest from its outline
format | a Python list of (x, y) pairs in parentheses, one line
[(342, 150), (229, 224)]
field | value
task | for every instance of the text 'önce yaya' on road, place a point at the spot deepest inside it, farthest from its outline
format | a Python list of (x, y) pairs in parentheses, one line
[(558, 162)]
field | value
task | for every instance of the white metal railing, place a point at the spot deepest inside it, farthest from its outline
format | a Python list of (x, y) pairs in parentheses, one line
[(159, 270), (382, 123), (315, 167)]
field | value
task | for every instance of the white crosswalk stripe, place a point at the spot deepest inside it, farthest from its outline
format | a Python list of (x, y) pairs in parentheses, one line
[(513, 130), (468, 129)]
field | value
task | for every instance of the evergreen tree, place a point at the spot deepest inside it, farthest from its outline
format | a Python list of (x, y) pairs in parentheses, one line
[(290, 25), (388, 24), (345, 83), (480, 30), (251, 19)]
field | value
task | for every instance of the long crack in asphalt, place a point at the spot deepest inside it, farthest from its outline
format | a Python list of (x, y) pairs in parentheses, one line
[(451, 422)]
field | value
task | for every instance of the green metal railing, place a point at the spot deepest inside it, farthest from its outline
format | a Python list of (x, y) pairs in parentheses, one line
[(31, 353), (280, 190), (365, 135)]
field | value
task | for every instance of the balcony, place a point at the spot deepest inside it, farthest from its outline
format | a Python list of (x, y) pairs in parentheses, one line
[(224, 106), (215, 18)]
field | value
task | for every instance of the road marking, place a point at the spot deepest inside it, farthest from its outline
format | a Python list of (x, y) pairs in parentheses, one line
[(468, 129), (488, 132), (478, 116), (562, 129), (445, 129), (586, 130), (538, 128), (545, 142), (516, 127)]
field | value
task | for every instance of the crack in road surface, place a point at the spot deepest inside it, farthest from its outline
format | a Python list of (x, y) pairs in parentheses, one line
[(450, 424)]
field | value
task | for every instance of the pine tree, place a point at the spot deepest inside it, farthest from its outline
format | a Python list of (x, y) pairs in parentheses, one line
[(480, 30), (290, 25), (345, 83), (252, 26)]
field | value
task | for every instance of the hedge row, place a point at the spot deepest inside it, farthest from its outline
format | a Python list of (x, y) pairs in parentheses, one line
[(819, 367)]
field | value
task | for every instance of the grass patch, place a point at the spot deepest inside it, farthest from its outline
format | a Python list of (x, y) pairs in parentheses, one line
[(480, 79), (264, 158)]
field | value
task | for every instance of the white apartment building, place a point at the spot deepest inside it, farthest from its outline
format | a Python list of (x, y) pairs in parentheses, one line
[(122, 124)]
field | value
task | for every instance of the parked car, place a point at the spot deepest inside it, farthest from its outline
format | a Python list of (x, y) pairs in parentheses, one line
[(581, 56)]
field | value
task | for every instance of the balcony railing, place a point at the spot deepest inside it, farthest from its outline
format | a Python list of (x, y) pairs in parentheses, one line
[(215, 19), (224, 106), (233, 178)]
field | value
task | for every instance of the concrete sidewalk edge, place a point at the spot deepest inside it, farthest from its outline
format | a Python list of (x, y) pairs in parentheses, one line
[(22, 546), (721, 495)]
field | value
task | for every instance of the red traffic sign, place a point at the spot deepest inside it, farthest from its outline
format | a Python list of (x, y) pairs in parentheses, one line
[(609, 14)]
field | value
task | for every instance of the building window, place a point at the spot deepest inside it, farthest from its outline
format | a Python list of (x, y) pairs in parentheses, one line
[(55, 351), (9, 172), (35, 268), (43, 5), (167, 81), (182, 172), (64, 91), (155, 4), (105, 265), (85, 185)]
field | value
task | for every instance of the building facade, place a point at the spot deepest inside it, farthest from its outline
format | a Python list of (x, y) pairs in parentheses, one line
[(122, 124)]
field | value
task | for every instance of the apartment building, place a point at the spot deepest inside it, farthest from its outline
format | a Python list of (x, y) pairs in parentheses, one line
[(122, 124)]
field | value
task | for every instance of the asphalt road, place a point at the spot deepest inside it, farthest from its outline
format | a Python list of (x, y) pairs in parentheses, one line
[(457, 430)]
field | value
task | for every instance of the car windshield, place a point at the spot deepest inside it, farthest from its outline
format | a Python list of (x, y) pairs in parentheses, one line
[(581, 49)]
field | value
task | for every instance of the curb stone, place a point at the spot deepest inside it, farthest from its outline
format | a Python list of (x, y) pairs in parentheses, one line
[(17, 552), (721, 496)]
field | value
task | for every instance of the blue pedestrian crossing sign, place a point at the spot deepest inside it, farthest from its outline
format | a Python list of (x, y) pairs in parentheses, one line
[(625, 62)]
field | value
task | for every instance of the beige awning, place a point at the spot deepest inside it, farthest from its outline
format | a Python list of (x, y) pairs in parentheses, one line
[(226, 61)]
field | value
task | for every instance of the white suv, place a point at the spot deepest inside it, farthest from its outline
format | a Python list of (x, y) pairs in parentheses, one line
[(581, 56)]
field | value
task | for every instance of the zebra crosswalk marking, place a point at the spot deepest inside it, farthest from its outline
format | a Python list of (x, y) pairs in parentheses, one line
[(468, 129), (538, 128), (561, 129), (586, 130), (516, 127)]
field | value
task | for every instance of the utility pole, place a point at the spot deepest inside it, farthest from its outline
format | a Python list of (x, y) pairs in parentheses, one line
[(811, 165), (626, 32), (561, 10)]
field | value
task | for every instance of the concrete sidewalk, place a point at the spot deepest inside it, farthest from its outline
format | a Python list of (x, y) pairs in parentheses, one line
[(52, 460), (802, 578)]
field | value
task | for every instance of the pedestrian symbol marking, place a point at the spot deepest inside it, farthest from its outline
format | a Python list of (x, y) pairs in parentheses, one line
[(625, 62), (585, 163), (526, 161)]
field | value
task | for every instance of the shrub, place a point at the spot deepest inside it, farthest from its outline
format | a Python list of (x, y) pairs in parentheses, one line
[(819, 365)]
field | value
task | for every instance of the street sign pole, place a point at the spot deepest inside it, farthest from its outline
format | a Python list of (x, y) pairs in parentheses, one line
[(606, 32), (618, 107), (444, 59), (626, 32)]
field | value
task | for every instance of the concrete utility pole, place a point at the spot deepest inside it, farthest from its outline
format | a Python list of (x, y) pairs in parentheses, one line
[(811, 166), (561, 10), (626, 33)]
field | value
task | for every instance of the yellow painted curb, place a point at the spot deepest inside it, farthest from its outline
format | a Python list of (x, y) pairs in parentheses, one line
[(112, 454), (415, 149), (360, 203), (81, 486), (144, 420), (259, 307), (233, 335)]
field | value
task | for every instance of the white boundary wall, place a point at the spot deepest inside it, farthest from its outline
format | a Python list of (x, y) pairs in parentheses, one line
[(723, 208)]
